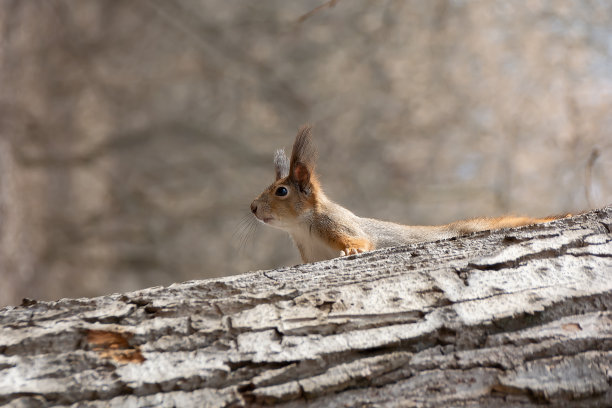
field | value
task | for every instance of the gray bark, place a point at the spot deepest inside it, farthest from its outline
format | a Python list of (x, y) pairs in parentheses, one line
[(516, 317)]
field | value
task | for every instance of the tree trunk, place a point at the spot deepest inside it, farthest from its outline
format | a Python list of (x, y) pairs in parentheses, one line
[(516, 317)]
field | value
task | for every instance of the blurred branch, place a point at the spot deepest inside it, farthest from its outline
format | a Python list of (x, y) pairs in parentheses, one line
[(198, 31), (182, 133), (588, 176), (329, 4)]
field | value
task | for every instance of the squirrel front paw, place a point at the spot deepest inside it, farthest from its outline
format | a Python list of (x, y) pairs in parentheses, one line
[(353, 246)]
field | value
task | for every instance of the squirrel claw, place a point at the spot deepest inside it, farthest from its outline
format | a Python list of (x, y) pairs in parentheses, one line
[(351, 251)]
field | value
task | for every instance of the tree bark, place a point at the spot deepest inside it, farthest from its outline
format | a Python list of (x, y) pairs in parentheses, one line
[(517, 317)]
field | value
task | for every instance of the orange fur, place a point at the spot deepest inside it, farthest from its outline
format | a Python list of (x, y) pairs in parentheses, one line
[(348, 244), (490, 223)]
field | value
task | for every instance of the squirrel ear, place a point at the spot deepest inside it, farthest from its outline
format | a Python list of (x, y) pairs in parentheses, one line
[(281, 164), (301, 175), (303, 158)]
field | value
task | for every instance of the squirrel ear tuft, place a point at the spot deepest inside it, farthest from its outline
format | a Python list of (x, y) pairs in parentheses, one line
[(303, 158), (281, 164)]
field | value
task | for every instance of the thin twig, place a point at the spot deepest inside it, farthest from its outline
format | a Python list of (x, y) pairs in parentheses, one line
[(588, 175), (304, 17)]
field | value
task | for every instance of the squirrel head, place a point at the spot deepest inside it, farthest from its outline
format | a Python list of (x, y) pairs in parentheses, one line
[(296, 188)]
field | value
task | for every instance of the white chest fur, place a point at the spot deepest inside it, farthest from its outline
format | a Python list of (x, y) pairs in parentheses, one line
[(312, 247)]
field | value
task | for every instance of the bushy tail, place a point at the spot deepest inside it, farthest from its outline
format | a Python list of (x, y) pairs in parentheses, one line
[(491, 223)]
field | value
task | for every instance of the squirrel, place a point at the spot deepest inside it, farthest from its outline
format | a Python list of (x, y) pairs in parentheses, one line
[(322, 229)]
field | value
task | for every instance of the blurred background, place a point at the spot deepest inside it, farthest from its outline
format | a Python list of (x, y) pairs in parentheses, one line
[(134, 134)]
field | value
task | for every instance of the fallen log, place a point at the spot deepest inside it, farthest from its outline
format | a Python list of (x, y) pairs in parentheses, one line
[(517, 317)]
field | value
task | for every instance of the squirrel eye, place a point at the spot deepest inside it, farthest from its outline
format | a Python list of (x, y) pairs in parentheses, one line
[(281, 191)]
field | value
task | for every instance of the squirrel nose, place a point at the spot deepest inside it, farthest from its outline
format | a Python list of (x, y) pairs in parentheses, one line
[(253, 207)]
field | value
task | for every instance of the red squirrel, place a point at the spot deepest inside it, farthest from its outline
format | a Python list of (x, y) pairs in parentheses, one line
[(322, 229)]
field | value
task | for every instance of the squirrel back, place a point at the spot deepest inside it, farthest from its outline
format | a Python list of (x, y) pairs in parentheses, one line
[(322, 229)]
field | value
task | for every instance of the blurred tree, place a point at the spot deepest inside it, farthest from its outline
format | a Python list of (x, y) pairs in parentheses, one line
[(134, 134)]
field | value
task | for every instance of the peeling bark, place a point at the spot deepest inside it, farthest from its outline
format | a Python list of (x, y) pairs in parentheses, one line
[(517, 317)]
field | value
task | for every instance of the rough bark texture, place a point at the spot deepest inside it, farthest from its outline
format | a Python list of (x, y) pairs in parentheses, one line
[(515, 317)]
